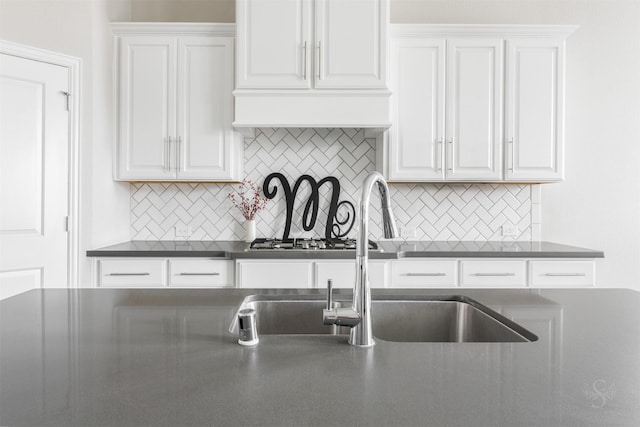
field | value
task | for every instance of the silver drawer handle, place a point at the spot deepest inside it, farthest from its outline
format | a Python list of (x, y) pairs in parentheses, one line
[(494, 274), (129, 274), (425, 274), (565, 274), (198, 274)]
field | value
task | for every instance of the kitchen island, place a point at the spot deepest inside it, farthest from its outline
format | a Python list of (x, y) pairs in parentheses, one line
[(166, 357)]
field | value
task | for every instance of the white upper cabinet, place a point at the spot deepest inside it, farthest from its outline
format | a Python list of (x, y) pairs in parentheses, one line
[(476, 103), (534, 110), (350, 38), (417, 109), (274, 44), (175, 103), (330, 44), (312, 63), (147, 106), (473, 121)]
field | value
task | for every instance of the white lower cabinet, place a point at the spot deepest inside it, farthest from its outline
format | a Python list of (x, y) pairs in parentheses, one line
[(493, 274), (274, 274), (343, 273), (136, 272), (306, 274), (424, 273), (131, 272), (205, 273), (553, 273), (163, 272)]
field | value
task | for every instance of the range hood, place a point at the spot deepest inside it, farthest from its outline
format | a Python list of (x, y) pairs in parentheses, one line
[(368, 109)]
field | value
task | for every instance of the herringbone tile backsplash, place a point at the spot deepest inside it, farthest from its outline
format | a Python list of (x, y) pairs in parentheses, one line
[(435, 211)]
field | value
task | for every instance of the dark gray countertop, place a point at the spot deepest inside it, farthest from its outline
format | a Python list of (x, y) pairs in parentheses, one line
[(390, 250), (165, 357)]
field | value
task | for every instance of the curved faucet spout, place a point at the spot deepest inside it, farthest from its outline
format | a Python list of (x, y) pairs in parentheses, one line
[(361, 334)]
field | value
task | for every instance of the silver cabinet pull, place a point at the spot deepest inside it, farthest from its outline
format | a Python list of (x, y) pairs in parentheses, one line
[(129, 274), (564, 274), (178, 149), (493, 274), (449, 156), (167, 154), (198, 274), (512, 156), (319, 60), (304, 61), (439, 159), (425, 274)]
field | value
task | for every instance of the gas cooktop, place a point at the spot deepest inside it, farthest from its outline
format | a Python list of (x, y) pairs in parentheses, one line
[(307, 244)]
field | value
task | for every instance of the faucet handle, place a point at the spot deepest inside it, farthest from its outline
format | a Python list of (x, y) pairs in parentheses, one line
[(341, 316)]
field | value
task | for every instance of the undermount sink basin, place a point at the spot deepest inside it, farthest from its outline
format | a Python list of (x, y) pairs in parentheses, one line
[(415, 318)]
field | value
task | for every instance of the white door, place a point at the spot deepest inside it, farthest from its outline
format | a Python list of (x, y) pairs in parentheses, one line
[(474, 109), (417, 82), (350, 43), (534, 110), (34, 147)]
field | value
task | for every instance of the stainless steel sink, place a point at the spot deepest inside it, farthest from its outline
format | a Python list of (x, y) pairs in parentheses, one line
[(413, 318)]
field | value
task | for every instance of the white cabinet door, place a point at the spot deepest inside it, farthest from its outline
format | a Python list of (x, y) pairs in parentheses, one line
[(534, 110), (424, 273), (343, 274), (146, 119), (206, 142), (416, 138), (350, 38), (474, 109), (275, 274), (493, 273), (558, 273), (201, 273), (274, 44), (131, 273)]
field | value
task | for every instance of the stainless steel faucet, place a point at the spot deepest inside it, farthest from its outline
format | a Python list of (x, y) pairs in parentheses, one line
[(358, 316)]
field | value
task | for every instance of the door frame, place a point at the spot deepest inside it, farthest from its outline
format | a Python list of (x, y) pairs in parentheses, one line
[(74, 66)]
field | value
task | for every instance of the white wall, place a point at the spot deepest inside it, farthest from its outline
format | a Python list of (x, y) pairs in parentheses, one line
[(80, 28), (598, 205)]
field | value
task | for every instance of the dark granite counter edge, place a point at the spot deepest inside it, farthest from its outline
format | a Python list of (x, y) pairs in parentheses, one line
[(237, 250), (472, 254), (99, 253)]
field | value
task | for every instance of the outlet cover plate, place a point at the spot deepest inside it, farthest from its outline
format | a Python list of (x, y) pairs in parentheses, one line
[(510, 230), (183, 230)]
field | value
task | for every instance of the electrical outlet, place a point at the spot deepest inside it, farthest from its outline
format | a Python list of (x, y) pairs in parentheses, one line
[(408, 233), (183, 230), (510, 230)]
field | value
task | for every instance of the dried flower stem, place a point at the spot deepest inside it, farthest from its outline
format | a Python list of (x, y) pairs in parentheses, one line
[(249, 200)]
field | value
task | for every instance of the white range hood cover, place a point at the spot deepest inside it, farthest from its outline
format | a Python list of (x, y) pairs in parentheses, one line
[(312, 108)]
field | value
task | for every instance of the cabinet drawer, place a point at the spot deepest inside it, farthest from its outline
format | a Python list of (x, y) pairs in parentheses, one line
[(274, 274), (422, 274), (343, 274), (210, 273), (131, 272), (492, 274), (562, 273)]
